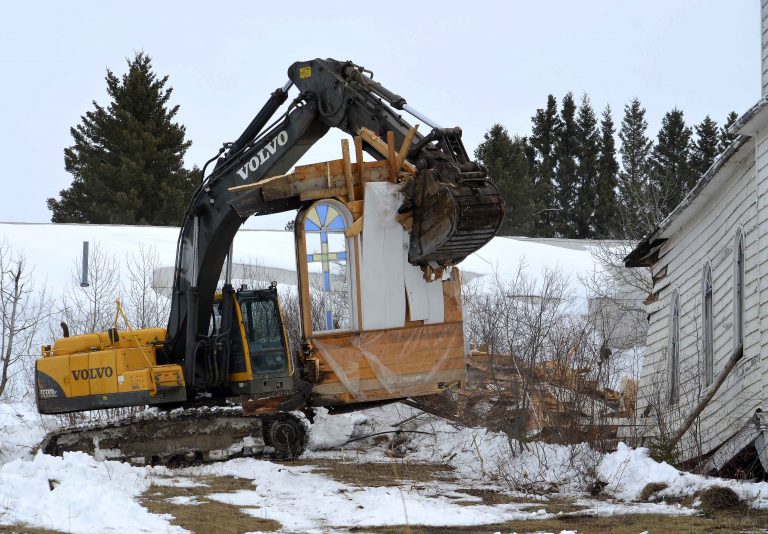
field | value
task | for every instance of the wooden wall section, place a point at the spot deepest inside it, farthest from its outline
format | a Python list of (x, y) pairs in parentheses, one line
[(388, 364)]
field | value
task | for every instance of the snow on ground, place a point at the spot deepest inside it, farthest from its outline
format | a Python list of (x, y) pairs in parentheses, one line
[(628, 470), (21, 429), (303, 501), (78, 494)]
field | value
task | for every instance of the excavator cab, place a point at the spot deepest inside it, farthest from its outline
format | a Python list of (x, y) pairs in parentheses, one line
[(259, 362)]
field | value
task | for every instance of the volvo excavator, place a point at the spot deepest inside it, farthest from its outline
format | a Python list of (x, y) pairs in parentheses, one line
[(231, 345)]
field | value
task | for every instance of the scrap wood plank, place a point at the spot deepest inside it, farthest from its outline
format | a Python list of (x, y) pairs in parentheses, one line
[(381, 147), (317, 176), (405, 147)]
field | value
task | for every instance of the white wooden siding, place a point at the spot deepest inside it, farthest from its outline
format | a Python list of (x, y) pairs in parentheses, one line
[(710, 235)]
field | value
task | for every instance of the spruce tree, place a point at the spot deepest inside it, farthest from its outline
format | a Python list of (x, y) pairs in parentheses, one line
[(606, 217), (127, 158), (587, 152), (706, 147), (566, 182), (726, 138), (542, 144), (671, 173), (637, 211), (508, 166)]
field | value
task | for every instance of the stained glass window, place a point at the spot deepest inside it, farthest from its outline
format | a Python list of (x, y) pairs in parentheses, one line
[(327, 256)]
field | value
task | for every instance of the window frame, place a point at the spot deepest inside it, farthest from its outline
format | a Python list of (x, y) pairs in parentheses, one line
[(673, 350), (708, 323), (351, 246), (738, 289)]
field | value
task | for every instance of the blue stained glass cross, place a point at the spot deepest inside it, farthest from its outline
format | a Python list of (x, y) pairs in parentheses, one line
[(323, 218)]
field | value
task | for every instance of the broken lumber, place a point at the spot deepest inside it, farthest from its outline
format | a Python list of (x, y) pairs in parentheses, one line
[(381, 147)]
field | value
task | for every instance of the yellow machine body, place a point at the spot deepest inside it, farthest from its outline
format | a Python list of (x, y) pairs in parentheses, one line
[(105, 370)]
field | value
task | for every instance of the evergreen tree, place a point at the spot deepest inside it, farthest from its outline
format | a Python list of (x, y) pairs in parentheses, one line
[(671, 173), (587, 151), (637, 210), (706, 147), (566, 182), (726, 138), (606, 217), (508, 166), (127, 158), (542, 143)]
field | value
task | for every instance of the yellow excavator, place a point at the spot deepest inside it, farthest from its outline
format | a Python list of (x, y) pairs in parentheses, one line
[(232, 344)]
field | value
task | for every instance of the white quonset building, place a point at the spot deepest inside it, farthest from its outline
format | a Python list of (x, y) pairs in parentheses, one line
[(709, 263)]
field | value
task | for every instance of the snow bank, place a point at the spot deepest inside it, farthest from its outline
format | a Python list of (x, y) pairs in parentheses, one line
[(53, 251), (77, 493), (21, 430), (628, 470), (329, 431)]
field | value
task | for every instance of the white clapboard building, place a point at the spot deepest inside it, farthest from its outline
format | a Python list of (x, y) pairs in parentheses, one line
[(709, 303)]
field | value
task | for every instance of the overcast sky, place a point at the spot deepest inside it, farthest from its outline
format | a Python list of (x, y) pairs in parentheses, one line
[(468, 64)]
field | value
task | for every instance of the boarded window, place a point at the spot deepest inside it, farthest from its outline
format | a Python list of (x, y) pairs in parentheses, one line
[(673, 353), (738, 291), (708, 325), (328, 254)]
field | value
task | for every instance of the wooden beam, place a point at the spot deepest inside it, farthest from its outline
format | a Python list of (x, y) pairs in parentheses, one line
[(303, 276), (708, 394), (392, 156), (355, 228), (359, 158), (323, 193), (355, 207), (256, 185), (348, 169), (381, 147), (406, 146)]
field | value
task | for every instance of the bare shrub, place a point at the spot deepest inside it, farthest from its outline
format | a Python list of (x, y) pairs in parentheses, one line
[(23, 310)]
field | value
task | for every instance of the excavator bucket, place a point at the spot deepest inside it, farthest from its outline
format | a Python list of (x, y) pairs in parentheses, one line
[(452, 216)]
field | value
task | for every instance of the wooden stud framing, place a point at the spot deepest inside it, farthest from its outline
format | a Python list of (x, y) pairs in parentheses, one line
[(348, 170), (392, 156), (406, 147), (323, 193), (355, 228), (381, 147), (303, 272)]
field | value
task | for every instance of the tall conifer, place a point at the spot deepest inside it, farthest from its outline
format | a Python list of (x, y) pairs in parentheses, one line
[(566, 181), (542, 142), (508, 166), (606, 217), (638, 213), (706, 147), (127, 158), (671, 173), (726, 138), (587, 152)]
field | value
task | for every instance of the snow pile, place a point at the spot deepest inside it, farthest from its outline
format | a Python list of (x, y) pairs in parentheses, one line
[(628, 470), (21, 430), (77, 493), (329, 431), (477, 455)]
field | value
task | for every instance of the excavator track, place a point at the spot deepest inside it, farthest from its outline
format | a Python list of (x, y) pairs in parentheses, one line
[(186, 437)]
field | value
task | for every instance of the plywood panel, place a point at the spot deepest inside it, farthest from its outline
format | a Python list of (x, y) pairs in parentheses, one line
[(393, 360), (383, 294)]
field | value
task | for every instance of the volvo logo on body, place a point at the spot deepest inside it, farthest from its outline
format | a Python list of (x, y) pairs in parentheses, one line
[(263, 155), (93, 372)]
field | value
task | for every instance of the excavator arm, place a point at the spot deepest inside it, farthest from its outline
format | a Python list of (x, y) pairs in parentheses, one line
[(456, 208)]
